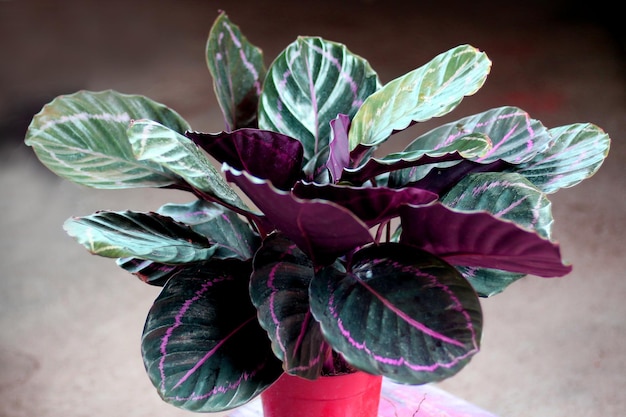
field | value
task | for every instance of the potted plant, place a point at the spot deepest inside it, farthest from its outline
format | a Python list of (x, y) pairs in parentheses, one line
[(331, 259)]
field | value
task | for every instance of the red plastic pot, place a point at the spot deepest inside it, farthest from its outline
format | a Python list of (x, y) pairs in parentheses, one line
[(350, 395)]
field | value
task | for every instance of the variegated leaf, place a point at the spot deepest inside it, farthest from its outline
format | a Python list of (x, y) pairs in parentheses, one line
[(430, 91), (154, 142), (142, 235), (308, 85), (400, 312), (202, 345), (82, 138), (577, 152), (508, 196), (416, 162), (238, 73), (279, 289), (232, 235)]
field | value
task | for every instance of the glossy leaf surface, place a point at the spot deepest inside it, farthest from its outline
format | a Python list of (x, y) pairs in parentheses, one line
[(197, 340), (279, 289), (238, 73), (508, 196), (400, 312), (308, 85), (431, 90), (487, 281), (143, 235), (154, 142), (577, 152), (82, 137)]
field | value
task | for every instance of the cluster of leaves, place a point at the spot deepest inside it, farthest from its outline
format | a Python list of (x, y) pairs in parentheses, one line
[(347, 260)]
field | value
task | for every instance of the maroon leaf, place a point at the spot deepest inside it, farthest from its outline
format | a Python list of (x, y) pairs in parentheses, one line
[(321, 229), (374, 167), (480, 239), (372, 205), (268, 155), (339, 157)]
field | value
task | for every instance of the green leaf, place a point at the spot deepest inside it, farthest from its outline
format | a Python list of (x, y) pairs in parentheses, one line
[(430, 91), (82, 137), (393, 293), (238, 73), (468, 146), (307, 86), (232, 235), (154, 142), (577, 152), (487, 281), (516, 138), (150, 272), (420, 161), (279, 289), (508, 196), (202, 345), (143, 235)]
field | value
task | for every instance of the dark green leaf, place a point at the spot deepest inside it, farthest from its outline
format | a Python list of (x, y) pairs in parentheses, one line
[(238, 73), (223, 227), (150, 272), (508, 196), (279, 288), (82, 137), (202, 345), (400, 312), (488, 282)]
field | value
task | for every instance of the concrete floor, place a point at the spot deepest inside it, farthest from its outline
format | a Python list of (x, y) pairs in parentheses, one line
[(70, 322)]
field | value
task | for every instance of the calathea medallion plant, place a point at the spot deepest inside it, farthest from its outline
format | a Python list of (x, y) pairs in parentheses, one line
[(339, 259)]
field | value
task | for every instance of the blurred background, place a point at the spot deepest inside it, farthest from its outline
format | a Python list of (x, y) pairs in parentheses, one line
[(70, 323)]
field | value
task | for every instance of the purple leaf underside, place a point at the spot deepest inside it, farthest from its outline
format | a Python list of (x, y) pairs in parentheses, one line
[(311, 225), (339, 155), (371, 205), (480, 239), (264, 154)]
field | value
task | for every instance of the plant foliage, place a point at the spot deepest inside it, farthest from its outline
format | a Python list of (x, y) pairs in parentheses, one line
[(346, 261)]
